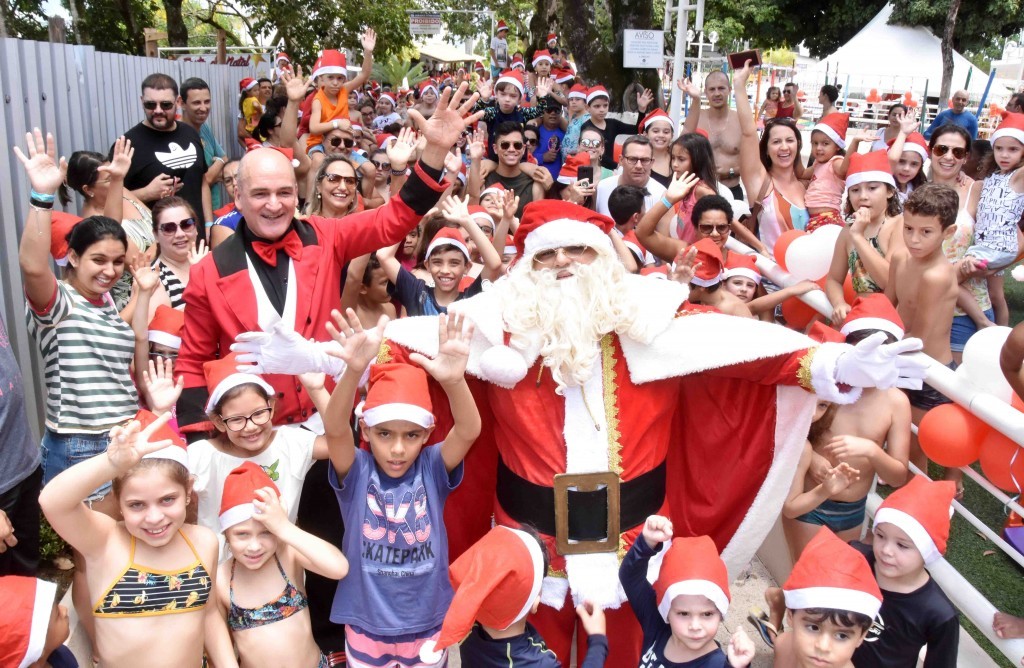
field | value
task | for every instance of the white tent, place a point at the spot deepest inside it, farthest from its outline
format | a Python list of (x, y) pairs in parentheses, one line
[(892, 59)]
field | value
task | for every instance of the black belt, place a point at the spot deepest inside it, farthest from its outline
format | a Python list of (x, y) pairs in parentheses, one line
[(529, 503)]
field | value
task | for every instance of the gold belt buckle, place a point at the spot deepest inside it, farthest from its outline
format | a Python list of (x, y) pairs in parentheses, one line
[(586, 482)]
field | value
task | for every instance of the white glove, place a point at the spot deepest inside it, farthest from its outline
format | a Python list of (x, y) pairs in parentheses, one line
[(873, 364), (282, 350)]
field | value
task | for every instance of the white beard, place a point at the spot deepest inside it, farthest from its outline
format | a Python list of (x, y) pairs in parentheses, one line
[(567, 317)]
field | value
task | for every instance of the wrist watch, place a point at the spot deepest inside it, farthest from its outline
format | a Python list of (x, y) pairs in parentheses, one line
[(334, 124)]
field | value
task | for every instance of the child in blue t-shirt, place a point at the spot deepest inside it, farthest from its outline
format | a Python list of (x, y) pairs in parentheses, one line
[(508, 94), (392, 495)]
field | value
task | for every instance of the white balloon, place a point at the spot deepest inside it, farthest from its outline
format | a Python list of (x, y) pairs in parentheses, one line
[(981, 362), (810, 256)]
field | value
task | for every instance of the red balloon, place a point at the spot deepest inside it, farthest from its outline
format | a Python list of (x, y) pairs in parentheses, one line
[(998, 463), (951, 436), (798, 315), (782, 245)]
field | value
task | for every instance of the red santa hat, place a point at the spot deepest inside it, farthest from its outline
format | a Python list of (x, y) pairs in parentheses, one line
[(563, 75), (1012, 125), (922, 509), (331, 62), (510, 245), (428, 85), (479, 67), (517, 63), (709, 264), (552, 37), (501, 26), (60, 227), (448, 236), (240, 491), (495, 188), (873, 311), (656, 116), (480, 214), (24, 619), (597, 91), (578, 91), (247, 83), (822, 333), (916, 143), (831, 574), (176, 451), (739, 264), (869, 167), (692, 566), (397, 392), (542, 55), (550, 223), (834, 126), (387, 96), (496, 582), (166, 325), (281, 57), (222, 375), (570, 168)]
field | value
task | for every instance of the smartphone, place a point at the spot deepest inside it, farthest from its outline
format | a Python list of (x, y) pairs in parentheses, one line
[(737, 60), (585, 173)]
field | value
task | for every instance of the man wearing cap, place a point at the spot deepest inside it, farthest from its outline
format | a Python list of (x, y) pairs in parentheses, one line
[(584, 375), (721, 126)]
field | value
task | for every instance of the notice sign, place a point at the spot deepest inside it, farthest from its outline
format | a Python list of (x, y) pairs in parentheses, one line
[(643, 48), (424, 23)]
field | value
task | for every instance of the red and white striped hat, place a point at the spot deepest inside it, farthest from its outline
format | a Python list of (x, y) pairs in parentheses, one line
[(869, 167), (24, 619), (692, 566), (552, 37), (518, 63), (563, 75), (873, 311), (542, 55), (709, 264), (739, 264), (512, 77), (922, 509), (831, 574), (1012, 125), (597, 91), (578, 90), (282, 57), (448, 236), (166, 325), (331, 61), (834, 126), (240, 491), (397, 392), (550, 223), (247, 83), (656, 116), (501, 26)]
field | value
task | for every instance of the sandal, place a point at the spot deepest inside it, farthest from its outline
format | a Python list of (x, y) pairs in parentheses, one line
[(759, 619)]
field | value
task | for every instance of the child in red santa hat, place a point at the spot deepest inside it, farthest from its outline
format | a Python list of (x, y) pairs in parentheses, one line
[(680, 614), (702, 267), (33, 625)]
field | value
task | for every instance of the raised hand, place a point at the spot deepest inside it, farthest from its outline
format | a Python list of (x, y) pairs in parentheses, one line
[(740, 651), (544, 85), (195, 254), (45, 173), (740, 76), (644, 99), (680, 186), (359, 346), (449, 119), (267, 509), (509, 205), (872, 363), (159, 386), (368, 41), (657, 530), (453, 162), (908, 122), (121, 160), (542, 176), (144, 276), (456, 210), (685, 265), (449, 367), (130, 443), (688, 87), (295, 85), (485, 89), (478, 144), (400, 150), (312, 380), (283, 350)]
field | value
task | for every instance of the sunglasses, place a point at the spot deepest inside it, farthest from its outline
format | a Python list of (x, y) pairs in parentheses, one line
[(506, 145), (338, 178), (590, 143), (530, 142), (151, 105), (959, 152), (337, 141), (381, 165), (711, 229), (170, 228)]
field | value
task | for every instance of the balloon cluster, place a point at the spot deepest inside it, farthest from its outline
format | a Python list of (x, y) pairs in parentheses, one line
[(952, 436), (808, 256)]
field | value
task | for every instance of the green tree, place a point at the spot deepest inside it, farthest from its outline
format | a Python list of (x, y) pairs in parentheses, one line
[(393, 70), (113, 25), (22, 18), (982, 25)]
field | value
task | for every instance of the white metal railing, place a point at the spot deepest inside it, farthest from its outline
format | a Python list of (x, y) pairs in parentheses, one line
[(991, 410)]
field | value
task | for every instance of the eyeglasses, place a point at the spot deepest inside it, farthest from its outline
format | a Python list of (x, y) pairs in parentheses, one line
[(337, 141), (634, 161), (170, 228), (708, 230), (959, 152), (381, 165), (506, 145), (530, 142), (167, 356), (152, 104), (336, 178), (239, 422), (547, 257), (590, 143)]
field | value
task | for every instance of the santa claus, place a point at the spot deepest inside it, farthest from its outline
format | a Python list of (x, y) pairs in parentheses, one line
[(606, 397)]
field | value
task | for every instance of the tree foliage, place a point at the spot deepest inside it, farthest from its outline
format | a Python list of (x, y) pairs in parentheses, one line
[(981, 26), (393, 70)]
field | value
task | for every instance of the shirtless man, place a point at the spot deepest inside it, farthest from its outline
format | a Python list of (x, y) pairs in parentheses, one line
[(923, 286), (722, 126)]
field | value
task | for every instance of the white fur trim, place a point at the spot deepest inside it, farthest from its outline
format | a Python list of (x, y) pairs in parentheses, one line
[(233, 381), (387, 96), (41, 609), (236, 515), (744, 272), (830, 132), (823, 374), (565, 232), (503, 366), (660, 119), (705, 588), (1008, 132), (448, 241), (596, 94), (252, 84), (553, 592), (572, 94), (916, 148), (164, 339), (541, 59), (868, 177), (708, 282), (490, 191), (330, 70), (922, 541), (510, 80), (837, 598), (538, 571), (398, 411), (175, 453), (860, 324)]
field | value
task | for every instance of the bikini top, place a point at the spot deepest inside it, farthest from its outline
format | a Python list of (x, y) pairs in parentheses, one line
[(147, 592), (287, 604), (860, 278)]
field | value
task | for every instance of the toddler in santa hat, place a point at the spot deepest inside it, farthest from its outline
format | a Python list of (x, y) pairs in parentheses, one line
[(911, 532), (497, 584), (392, 495), (269, 555), (33, 625), (505, 105), (702, 268), (680, 614)]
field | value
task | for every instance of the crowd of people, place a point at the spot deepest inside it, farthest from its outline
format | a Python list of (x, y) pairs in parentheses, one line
[(473, 365)]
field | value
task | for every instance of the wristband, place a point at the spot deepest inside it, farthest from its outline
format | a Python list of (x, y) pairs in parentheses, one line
[(41, 205), (41, 197), (400, 172), (664, 200)]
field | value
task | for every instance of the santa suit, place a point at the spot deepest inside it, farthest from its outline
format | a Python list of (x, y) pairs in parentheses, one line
[(727, 440)]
